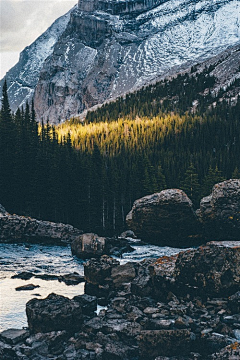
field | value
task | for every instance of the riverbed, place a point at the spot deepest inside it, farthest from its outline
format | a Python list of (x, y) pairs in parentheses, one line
[(50, 260)]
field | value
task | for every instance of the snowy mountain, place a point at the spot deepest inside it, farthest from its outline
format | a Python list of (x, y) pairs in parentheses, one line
[(23, 77), (110, 47)]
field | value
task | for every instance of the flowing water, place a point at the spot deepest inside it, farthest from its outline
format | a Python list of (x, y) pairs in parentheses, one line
[(52, 260)]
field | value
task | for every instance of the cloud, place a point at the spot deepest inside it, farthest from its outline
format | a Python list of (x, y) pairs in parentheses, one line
[(22, 21)]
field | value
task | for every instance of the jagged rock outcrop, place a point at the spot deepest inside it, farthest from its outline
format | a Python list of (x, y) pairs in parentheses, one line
[(220, 211), (112, 47), (164, 218), (24, 229)]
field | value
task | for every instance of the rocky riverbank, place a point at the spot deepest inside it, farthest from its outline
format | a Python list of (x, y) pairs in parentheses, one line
[(182, 307), (165, 218)]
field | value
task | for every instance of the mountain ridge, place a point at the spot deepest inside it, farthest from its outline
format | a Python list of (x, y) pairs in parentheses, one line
[(104, 53)]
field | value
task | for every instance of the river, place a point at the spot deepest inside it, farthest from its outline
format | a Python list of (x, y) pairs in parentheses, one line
[(51, 260)]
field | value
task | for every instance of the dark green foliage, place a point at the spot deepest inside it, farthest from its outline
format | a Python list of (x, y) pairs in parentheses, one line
[(179, 94), (236, 173), (94, 185), (7, 146), (191, 185), (213, 176)]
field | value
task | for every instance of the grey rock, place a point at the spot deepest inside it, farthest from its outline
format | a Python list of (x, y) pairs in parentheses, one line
[(141, 285), (56, 312), (236, 333), (27, 287), (213, 269), (214, 342), (165, 218), (14, 336), (88, 245), (150, 310), (123, 274), (71, 279), (96, 271), (219, 212), (153, 343), (24, 275), (25, 229), (230, 352), (7, 352), (88, 303)]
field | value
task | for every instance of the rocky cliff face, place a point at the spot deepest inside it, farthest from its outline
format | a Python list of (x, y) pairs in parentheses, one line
[(112, 47), (104, 49), (23, 77)]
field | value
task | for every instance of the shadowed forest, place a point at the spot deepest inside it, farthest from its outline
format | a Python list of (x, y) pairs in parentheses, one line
[(174, 134)]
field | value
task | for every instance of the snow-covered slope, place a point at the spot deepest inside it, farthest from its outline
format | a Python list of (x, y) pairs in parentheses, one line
[(23, 77), (111, 47), (103, 54)]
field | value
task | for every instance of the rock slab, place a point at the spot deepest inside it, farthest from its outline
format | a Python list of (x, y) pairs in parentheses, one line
[(15, 228)]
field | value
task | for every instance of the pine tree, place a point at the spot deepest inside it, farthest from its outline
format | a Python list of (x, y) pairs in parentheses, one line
[(213, 177), (5, 110), (7, 152), (236, 173), (191, 185)]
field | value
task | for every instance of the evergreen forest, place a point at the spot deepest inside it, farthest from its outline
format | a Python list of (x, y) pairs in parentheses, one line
[(173, 134)]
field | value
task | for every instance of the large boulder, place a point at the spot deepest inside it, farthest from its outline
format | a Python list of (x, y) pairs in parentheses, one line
[(210, 270), (56, 312), (220, 211), (165, 218), (88, 245)]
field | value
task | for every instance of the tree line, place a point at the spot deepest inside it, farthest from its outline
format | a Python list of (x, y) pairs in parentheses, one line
[(89, 174)]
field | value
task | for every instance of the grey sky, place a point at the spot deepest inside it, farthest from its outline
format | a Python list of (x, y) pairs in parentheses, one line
[(22, 21)]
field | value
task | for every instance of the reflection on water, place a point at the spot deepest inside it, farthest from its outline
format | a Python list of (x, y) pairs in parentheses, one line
[(13, 303), (15, 258), (54, 260)]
